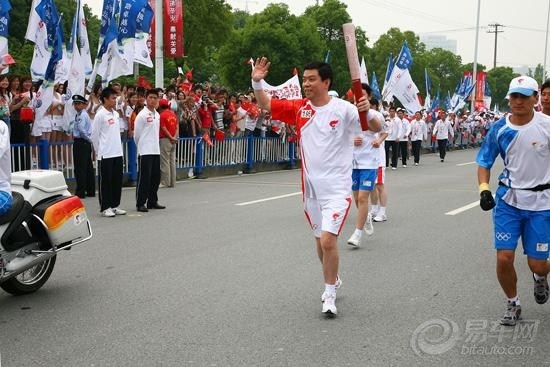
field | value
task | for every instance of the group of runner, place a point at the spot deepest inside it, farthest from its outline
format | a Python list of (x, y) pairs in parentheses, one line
[(338, 155)]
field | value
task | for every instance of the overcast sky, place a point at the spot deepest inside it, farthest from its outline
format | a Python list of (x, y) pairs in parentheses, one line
[(521, 42)]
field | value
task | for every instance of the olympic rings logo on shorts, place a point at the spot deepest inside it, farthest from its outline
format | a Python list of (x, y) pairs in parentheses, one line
[(501, 236)]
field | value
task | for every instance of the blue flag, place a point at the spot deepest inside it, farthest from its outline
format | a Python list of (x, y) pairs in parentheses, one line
[(145, 18), (404, 60), (428, 82), (389, 68), (374, 86), (436, 102), (448, 105), (107, 14), (129, 11), (487, 89), (110, 35), (48, 14), (5, 8)]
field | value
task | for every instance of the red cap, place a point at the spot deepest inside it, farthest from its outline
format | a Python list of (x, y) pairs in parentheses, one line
[(164, 103)]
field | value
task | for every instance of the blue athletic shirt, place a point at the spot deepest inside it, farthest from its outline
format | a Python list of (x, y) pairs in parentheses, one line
[(525, 151)]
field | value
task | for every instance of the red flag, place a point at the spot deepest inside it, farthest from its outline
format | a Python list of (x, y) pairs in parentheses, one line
[(142, 82), (220, 136), (206, 138), (7, 59), (295, 71), (186, 87), (189, 75)]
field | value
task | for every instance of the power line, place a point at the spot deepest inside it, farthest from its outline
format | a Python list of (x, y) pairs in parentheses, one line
[(525, 29), (386, 4)]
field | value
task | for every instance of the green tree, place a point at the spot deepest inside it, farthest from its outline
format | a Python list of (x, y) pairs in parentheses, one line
[(329, 18), (208, 24), (444, 68), (470, 67), (287, 40), (537, 74), (392, 42), (499, 80)]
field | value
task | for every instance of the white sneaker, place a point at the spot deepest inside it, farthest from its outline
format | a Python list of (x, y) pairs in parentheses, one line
[(380, 218), (416, 164), (329, 305), (355, 240), (108, 213), (369, 229), (394, 168), (404, 166), (337, 285), (119, 211)]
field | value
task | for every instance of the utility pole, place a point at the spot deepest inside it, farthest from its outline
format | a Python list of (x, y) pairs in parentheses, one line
[(496, 32)]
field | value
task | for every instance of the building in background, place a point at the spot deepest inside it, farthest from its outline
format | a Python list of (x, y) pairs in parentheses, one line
[(438, 41)]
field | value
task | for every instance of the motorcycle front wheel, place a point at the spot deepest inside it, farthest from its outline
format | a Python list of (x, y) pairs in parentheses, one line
[(31, 279)]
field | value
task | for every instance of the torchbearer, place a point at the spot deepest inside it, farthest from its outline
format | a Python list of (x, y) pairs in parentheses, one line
[(326, 127)]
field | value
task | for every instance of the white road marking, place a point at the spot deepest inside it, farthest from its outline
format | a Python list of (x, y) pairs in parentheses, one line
[(463, 209), (269, 199), (466, 164)]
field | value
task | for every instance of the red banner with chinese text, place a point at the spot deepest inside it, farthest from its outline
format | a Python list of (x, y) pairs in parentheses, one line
[(173, 28)]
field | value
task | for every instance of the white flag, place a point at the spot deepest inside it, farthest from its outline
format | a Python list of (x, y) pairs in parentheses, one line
[(62, 67), (34, 21), (402, 87), (43, 99), (84, 43), (142, 55), (121, 59), (4, 51), (76, 80), (363, 70), (37, 33)]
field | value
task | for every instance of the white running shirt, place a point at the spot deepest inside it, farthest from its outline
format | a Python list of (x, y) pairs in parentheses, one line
[(366, 156), (326, 144), (525, 151)]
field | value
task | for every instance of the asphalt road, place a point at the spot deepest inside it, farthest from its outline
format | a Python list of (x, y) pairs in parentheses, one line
[(207, 282)]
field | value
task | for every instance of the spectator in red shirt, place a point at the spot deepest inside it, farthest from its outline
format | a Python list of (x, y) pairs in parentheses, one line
[(168, 135)]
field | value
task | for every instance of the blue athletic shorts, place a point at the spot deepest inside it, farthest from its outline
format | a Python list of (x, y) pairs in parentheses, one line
[(5, 202), (533, 226), (363, 179)]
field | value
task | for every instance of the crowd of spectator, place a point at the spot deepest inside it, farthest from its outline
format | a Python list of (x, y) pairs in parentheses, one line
[(201, 110)]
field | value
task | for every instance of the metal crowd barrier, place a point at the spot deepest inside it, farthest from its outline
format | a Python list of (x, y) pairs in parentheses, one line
[(192, 153)]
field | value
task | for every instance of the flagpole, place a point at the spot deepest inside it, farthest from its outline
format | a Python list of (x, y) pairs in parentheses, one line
[(474, 76), (159, 38)]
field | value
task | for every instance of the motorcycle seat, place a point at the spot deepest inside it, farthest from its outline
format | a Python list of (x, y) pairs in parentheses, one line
[(16, 207)]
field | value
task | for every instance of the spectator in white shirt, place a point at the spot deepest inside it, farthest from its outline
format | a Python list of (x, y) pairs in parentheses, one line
[(403, 137), (146, 135), (108, 148), (419, 133), (442, 130)]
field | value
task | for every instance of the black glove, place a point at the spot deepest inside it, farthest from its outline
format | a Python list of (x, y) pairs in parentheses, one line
[(486, 200)]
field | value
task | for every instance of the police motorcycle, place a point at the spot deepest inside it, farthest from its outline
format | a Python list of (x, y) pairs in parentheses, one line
[(44, 220)]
